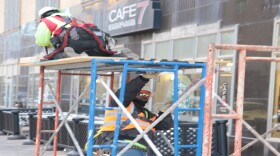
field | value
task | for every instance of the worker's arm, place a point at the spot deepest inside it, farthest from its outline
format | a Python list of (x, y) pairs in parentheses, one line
[(166, 123), (43, 35), (132, 88)]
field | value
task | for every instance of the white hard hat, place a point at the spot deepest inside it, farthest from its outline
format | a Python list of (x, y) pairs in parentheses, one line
[(46, 9)]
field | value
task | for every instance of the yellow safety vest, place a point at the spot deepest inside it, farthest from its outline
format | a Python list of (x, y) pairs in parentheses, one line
[(111, 117)]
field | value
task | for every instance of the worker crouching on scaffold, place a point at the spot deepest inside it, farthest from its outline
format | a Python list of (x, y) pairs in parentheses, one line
[(136, 97), (69, 36)]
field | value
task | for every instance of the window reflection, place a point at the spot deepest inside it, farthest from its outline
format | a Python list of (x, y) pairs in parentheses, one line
[(183, 48), (164, 92), (203, 42)]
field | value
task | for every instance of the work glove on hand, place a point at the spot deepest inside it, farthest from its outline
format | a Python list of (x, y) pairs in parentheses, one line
[(150, 75)]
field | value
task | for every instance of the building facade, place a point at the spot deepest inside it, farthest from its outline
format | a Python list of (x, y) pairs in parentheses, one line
[(156, 29)]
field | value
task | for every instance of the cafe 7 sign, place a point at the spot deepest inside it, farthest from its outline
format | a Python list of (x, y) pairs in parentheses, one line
[(130, 16)]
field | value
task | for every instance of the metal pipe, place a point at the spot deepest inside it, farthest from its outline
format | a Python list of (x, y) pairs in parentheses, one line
[(58, 87), (176, 113), (201, 114), (226, 116), (39, 115), (92, 102), (269, 59), (169, 110), (257, 139), (247, 47), (79, 74), (239, 102), (209, 101), (119, 114), (112, 83), (83, 74), (251, 129), (65, 121), (153, 147)]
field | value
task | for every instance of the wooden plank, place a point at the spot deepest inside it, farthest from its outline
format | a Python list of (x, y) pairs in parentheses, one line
[(28, 61), (71, 60), (35, 61)]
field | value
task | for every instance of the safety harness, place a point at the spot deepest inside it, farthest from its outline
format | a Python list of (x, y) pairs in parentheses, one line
[(73, 23)]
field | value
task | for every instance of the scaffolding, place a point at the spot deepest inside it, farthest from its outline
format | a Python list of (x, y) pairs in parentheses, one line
[(238, 113), (124, 65)]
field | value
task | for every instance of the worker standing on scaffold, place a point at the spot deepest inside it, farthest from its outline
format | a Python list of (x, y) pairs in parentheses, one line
[(69, 36), (136, 96)]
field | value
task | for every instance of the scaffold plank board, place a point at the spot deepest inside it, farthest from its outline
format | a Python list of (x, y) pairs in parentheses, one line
[(78, 59), (84, 63)]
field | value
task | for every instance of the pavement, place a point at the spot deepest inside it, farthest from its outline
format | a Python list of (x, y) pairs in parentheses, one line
[(16, 148)]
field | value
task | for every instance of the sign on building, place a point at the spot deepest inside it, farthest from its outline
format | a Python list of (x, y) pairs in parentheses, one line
[(131, 16)]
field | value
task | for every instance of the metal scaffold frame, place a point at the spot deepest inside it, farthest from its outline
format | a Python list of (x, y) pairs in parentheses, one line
[(131, 66), (124, 65), (238, 113), (56, 97)]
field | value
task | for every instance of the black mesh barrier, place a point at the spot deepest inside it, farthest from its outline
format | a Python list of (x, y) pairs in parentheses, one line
[(83, 129), (7, 122), (32, 126), (63, 136), (9, 118), (163, 139), (69, 142), (45, 126), (79, 129)]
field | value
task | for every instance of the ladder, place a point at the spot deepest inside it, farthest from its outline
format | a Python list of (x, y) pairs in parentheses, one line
[(126, 66)]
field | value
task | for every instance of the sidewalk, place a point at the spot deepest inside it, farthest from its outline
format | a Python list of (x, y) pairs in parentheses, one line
[(15, 148)]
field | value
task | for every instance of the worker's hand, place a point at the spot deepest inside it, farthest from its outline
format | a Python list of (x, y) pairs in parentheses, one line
[(150, 75)]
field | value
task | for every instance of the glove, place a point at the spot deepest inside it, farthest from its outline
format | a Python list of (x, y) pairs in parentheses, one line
[(150, 75)]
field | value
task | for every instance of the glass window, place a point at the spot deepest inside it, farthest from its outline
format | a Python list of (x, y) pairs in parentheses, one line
[(33, 90), (278, 34), (2, 91), (202, 44), (276, 109), (164, 92), (101, 94), (224, 86), (22, 90), (183, 48), (11, 9), (11, 47), (227, 38), (8, 93), (163, 50), (148, 51), (276, 103)]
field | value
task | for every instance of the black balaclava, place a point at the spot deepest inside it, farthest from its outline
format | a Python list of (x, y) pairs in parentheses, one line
[(140, 102)]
